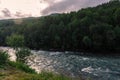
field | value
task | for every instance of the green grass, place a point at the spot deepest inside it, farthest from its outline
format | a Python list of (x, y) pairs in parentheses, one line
[(21, 66), (15, 74)]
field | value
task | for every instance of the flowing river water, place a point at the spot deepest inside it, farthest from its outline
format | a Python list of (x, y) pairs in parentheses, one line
[(73, 64), (94, 67)]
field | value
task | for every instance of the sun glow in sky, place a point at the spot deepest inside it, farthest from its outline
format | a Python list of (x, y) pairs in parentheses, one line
[(34, 8), (19, 8)]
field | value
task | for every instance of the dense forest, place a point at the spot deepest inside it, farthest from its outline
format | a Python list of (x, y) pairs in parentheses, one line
[(90, 29)]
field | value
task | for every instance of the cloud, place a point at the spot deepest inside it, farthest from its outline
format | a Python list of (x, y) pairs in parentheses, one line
[(69, 5), (6, 12), (19, 14), (30, 8), (48, 1)]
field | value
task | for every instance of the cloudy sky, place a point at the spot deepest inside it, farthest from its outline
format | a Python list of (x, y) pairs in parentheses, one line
[(35, 8)]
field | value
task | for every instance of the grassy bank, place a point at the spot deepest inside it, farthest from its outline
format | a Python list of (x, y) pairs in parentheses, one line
[(16, 74), (19, 71)]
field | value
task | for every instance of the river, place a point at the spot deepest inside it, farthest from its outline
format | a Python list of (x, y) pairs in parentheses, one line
[(94, 67), (75, 64)]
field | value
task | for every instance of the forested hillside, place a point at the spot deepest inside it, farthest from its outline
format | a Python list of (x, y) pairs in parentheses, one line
[(90, 29)]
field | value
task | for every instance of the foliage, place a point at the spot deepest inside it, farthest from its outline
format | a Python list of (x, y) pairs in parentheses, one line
[(22, 53), (68, 31), (22, 67), (87, 41), (15, 40), (4, 58)]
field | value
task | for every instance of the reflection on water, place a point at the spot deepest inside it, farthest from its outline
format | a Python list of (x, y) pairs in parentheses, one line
[(98, 68)]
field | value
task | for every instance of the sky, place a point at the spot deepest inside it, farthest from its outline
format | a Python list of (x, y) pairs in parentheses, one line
[(36, 8)]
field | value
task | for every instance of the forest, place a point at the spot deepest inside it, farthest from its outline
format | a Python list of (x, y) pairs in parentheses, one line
[(95, 29)]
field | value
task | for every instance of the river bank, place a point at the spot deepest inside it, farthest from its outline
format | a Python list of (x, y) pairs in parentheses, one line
[(67, 63)]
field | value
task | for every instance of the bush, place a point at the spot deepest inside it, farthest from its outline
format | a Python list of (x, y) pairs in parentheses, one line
[(4, 57), (22, 53)]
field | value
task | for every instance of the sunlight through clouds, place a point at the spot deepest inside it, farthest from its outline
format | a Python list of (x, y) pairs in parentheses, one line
[(35, 8), (22, 7)]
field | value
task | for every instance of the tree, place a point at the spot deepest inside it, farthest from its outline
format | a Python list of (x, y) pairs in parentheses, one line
[(110, 39), (87, 41), (117, 39), (69, 31), (117, 16), (15, 40)]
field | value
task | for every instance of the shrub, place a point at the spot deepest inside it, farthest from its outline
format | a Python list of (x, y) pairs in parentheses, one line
[(22, 53), (4, 57)]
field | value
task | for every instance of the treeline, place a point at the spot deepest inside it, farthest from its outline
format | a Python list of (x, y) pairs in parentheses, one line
[(90, 29)]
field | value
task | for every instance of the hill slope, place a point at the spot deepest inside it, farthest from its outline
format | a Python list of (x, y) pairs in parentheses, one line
[(90, 29)]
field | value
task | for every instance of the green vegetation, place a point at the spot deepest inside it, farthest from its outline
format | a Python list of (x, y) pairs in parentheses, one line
[(19, 75), (3, 58), (21, 66), (22, 53), (19, 70), (90, 29), (15, 40)]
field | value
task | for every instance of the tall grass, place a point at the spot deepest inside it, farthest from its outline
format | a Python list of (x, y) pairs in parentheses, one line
[(4, 58), (22, 67)]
